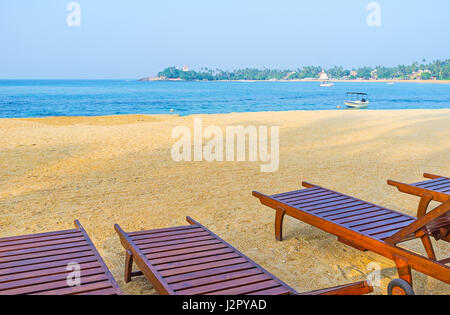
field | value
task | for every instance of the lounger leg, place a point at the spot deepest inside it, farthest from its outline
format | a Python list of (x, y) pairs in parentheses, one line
[(279, 217), (128, 266), (426, 241), (404, 270)]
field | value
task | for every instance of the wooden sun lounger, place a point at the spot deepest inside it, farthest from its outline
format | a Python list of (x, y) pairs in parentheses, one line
[(191, 260), (364, 226), (38, 265)]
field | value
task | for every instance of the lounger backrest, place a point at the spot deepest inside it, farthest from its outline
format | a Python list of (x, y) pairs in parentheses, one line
[(191, 260), (433, 221), (50, 263)]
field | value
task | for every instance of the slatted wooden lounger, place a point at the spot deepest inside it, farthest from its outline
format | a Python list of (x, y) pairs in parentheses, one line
[(364, 226), (38, 265), (191, 260)]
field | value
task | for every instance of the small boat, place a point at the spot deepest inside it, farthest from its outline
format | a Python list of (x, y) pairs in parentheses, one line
[(390, 83), (326, 84), (357, 100)]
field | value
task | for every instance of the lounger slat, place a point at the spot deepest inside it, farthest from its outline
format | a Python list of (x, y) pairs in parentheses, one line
[(346, 202), (378, 224), (61, 284), (38, 240), (42, 249), (171, 238), (387, 228), (43, 266), (344, 211), (41, 244), (298, 192), (385, 235), (321, 202), (197, 261), (156, 231), (165, 234), (328, 209), (43, 254), (370, 220), (84, 289), (351, 212), (348, 220), (35, 261), (188, 251), (45, 272), (33, 236), (234, 283), (187, 257), (311, 197), (432, 182), (247, 289), (306, 195), (43, 263), (216, 279), (210, 272), (202, 263), (170, 244), (441, 186), (47, 279), (184, 246), (206, 266)]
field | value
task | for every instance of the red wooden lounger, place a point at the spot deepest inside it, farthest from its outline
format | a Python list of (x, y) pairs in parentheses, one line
[(38, 265), (191, 260), (364, 226)]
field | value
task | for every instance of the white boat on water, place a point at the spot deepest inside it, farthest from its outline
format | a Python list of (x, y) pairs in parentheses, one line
[(326, 84), (357, 100)]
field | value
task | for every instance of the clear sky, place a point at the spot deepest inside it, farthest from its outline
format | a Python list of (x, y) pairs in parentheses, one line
[(137, 38)]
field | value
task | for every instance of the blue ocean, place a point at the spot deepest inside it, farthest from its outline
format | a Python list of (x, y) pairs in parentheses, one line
[(42, 98)]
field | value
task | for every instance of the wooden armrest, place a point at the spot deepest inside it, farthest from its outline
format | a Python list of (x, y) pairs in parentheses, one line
[(431, 176)]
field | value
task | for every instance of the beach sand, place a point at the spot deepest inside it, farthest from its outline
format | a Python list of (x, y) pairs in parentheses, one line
[(106, 170)]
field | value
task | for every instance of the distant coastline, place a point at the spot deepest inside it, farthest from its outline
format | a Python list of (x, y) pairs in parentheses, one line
[(436, 71), (160, 79)]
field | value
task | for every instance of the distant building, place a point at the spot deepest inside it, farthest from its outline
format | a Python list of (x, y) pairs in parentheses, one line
[(185, 68), (353, 73), (323, 76), (418, 74), (374, 74)]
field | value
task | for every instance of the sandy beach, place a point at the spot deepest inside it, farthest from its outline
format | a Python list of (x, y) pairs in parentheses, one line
[(118, 169)]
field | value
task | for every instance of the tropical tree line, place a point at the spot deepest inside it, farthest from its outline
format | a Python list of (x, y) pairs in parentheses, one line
[(439, 70)]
